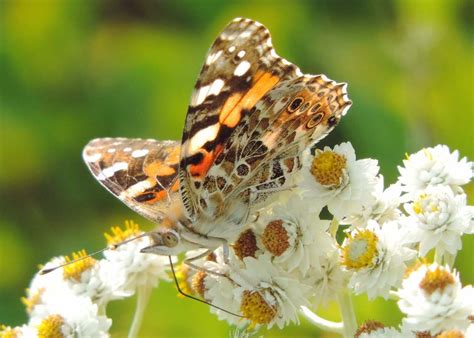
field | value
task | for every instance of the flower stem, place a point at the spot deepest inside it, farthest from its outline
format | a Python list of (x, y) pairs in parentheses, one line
[(322, 323), (347, 313), (143, 296)]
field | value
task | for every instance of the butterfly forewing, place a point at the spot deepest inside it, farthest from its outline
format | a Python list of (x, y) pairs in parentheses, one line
[(240, 68), (141, 173)]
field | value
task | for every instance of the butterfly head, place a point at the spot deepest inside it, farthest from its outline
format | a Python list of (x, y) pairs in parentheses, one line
[(167, 242)]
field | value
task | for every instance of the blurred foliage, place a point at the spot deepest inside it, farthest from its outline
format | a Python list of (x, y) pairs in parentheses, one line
[(74, 70)]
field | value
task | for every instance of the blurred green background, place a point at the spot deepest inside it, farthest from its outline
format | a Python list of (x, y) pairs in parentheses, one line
[(74, 70)]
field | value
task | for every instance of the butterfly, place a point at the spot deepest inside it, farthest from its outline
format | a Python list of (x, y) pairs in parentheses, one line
[(251, 115)]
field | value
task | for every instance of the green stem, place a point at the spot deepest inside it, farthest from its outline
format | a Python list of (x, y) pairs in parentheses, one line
[(143, 296), (347, 313), (322, 323)]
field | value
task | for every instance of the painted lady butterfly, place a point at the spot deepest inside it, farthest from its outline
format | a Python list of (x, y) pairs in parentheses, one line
[(252, 113)]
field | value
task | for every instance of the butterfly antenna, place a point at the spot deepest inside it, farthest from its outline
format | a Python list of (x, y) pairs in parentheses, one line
[(195, 298), (109, 247)]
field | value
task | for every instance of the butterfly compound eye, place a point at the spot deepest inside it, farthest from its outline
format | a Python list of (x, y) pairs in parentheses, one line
[(170, 239), (295, 104)]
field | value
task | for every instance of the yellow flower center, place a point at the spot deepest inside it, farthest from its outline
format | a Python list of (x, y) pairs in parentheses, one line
[(75, 270), (182, 275), (118, 235), (33, 299), (8, 332), (423, 204), (256, 309), (436, 279), (360, 250), (417, 207), (327, 168), (50, 327), (368, 327), (451, 334), (198, 283), (246, 245), (275, 238)]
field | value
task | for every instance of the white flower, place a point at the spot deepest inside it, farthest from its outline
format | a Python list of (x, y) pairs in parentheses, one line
[(98, 280), (222, 292), (209, 281), (336, 179), (382, 208), (42, 287), (433, 299), (102, 283), (377, 257), (294, 236), (24, 331), (268, 295), (379, 331), (139, 269), (327, 280), (437, 219), (72, 316), (433, 167)]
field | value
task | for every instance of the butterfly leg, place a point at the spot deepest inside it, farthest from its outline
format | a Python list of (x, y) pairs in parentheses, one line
[(188, 262), (257, 197)]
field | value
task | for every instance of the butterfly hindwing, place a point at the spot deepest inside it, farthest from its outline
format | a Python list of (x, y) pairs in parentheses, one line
[(264, 150), (141, 173), (240, 68)]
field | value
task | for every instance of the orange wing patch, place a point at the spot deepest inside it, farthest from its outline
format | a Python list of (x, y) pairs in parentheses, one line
[(264, 82), (158, 168), (152, 197), (200, 169), (151, 190), (231, 113), (173, 156)]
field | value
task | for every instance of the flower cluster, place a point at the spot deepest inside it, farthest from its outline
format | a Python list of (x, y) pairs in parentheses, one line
[(336, 231), (71, 301), (289, 256), (433, 300)]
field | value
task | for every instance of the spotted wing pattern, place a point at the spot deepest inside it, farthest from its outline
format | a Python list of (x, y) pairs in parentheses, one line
[(264, 150), (240, 68), (141, 173)]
